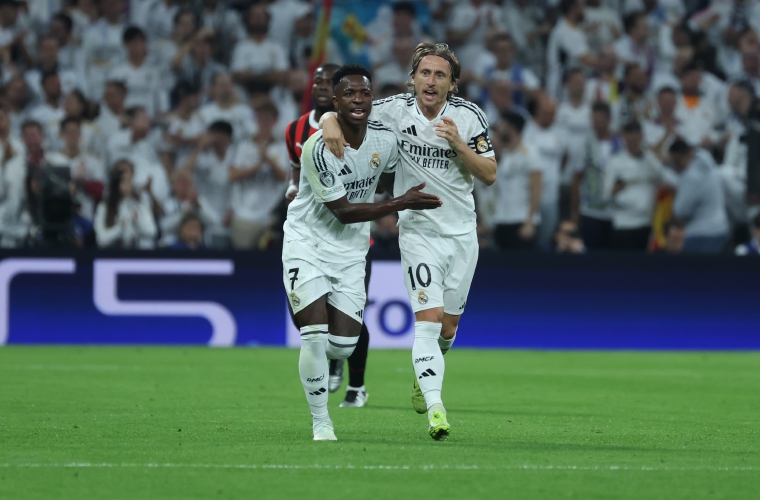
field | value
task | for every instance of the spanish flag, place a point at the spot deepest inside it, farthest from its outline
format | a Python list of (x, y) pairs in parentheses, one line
[(663, 211), (319, 51)]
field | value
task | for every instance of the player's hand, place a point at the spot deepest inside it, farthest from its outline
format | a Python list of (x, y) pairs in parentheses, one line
[(415, 199), (333, 137), (291, 193), (447, 129)]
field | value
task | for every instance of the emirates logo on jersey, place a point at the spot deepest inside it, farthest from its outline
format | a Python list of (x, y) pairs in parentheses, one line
[(429, 157)]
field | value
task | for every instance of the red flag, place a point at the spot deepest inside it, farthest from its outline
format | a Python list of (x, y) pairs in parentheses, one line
[(319, 51)]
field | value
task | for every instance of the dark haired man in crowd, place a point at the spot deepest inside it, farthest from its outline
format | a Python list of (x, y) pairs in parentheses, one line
[(209, 165), (143, 81), (700, 200), (587, 202)]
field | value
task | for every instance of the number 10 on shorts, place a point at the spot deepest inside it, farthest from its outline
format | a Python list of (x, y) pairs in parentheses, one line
[(423, 276)]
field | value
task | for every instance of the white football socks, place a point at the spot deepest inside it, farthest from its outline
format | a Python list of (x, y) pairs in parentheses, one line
[(428, 361), (445, 344), (313, 368), (340, 347)]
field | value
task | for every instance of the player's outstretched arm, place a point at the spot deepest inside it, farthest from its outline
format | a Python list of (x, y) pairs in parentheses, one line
[(482, 168), (351, 213), (332, 134)]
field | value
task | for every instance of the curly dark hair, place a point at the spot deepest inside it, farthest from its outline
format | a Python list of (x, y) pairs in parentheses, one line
[(348, 70)]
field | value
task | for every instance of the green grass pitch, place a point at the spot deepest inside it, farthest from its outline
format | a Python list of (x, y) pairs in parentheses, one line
[(152, 423)]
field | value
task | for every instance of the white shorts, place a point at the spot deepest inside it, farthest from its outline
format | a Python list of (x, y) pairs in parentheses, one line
[(438, 270), (307, 278)]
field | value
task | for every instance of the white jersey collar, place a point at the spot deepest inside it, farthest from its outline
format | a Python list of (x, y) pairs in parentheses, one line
[(440, 113)]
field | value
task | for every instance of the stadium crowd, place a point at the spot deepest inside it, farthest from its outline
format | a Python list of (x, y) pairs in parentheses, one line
[(617, 124)]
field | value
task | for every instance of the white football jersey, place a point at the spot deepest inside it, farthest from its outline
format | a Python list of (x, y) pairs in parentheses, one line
[(325, 178), (425, 157)]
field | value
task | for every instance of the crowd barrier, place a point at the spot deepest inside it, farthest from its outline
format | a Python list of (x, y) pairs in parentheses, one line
[(528, 301)]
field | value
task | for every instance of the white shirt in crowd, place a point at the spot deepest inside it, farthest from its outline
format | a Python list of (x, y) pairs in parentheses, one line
[(254, 198), (284, 14), (143, 155), (700, 199), (547, 148), (598, 154), (187, 130), (607, 26), (211, 179), (391, 73), (575, 125), (102, 49), (463, 17), (105, 126), (628, 52), (175, 209), (513, 189), (134, 225), (239, 115), (14, 222), (159, 23), (144, 87), (566, 45), (160, 56), (733, 174), (633, 206), (70, 80), (50, 118), (258, 57), (699, 122)]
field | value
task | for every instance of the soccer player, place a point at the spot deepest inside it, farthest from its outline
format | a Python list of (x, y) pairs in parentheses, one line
[(327, 235), (296, 134), (443, 142)]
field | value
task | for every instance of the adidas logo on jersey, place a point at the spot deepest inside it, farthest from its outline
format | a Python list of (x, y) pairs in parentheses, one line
[(345, 170), (427, 373), (410, 130)]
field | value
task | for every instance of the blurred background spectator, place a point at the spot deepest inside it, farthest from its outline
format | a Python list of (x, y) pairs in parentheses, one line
[(630, 184), (567, 239), (675, 235), (125, 219), (751, 247), (190, 99), (189, 234), (518, 195)]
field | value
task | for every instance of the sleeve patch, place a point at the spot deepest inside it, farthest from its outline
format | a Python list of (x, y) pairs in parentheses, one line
[(481, 143)]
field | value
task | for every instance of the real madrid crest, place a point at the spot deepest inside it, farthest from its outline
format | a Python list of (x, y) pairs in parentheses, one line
[(422, 297), (482, 144), (375, 161), (295, 300)]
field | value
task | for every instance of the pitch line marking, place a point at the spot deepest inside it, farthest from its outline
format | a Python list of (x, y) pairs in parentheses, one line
[(75, 465)]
